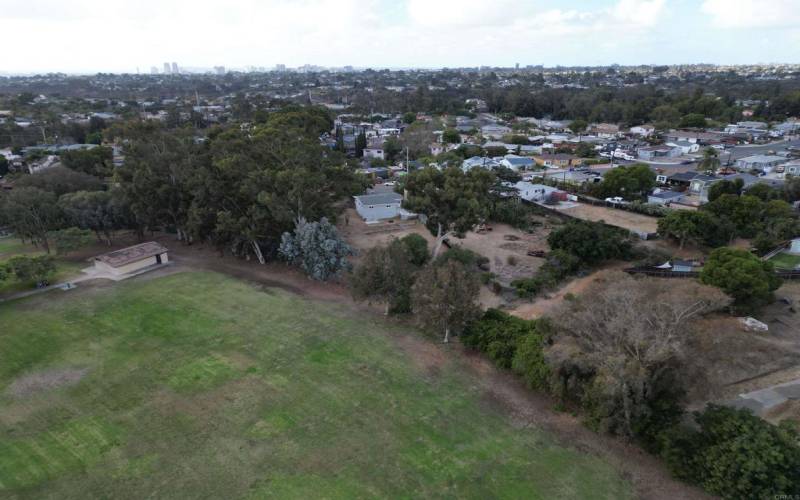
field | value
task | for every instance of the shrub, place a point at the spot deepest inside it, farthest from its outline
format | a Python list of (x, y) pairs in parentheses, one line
[(498, 334), (591, 242), (735, 454), (417, 247)]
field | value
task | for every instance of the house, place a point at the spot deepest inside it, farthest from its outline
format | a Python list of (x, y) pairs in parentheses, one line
[(794, 247), (557, 160), (702, 183), (645, 130), (516, 163), (534, 192), (661, 197), (682, 179), (478, 161), (764, 163), (378, 206), (686, 147), (606, 130), (132, 259), (653, 153), (374, 153), (691, 136), (791, 168), (436, 148)]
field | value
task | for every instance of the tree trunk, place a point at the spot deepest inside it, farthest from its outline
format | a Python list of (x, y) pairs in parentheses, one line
[(440, 237), (46, 245), (446, 334), (257, 249), (626, 405), (386, 311)]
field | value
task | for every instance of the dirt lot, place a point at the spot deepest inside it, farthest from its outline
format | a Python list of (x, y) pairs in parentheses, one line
[(504, 246), (619, 218)]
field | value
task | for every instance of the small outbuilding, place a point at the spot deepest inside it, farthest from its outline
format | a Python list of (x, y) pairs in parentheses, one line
[(131, 259), (378, 206)]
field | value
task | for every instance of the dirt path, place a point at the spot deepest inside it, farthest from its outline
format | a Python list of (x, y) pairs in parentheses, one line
[(648, 474), (545, 305)]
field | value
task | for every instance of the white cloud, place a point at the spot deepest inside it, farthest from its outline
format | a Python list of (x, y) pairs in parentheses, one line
[(753, 13)]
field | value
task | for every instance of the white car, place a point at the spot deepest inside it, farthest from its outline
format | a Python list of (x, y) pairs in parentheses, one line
[(616, 200), (390, 183)]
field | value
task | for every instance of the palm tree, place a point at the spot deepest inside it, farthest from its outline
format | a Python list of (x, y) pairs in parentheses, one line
[(710, 160)]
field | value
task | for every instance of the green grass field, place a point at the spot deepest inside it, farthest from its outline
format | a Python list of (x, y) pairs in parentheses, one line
[(197, 385), (786, 261)]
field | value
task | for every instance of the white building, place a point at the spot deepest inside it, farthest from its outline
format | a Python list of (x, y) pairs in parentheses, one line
[(374, 153), (534, 192), (379, 206)]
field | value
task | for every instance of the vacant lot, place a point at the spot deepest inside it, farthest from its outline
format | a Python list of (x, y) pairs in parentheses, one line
[(197, 385), (620, 218)]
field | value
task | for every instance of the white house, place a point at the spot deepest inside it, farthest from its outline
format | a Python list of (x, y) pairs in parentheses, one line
[(379, 206), (374, 153), (517, 163), (533, 192), (663, 197), (643, 130), (686, 146), (131, 259)]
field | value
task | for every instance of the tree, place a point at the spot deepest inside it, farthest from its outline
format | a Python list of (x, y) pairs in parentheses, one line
[(417, 247), (96, 161), (3, 166), (630, 182), (32, 213), (591, 242), (578, 126), (70, 239), (361, 144), (585, 150), (725, 186), (98, 211), (620, 346), (409, 118), (735, 454), (685, 225), (31, 269), (453, 201), (710, 161), (60, 180), (317, 248), (693, 120), (444, 298), (385, 273), (451, 136), (743, 276)]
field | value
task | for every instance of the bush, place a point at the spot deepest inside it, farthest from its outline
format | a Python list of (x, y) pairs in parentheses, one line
[(498, 334), (735, 454), (417, 247), (591, 242)]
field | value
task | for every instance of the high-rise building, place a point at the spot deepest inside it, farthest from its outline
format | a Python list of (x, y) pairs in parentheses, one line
[(167, 69), (220, 70), (280, 67), (175, 69), (517, 66), (153, 70)]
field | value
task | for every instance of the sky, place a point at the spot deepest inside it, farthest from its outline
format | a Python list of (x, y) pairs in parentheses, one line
[(88, 36)]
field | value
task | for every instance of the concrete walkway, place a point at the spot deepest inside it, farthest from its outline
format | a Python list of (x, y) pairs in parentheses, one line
[(89, 273), (763, 400)]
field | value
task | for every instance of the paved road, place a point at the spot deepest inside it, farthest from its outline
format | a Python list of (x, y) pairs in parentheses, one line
[(737, 152)]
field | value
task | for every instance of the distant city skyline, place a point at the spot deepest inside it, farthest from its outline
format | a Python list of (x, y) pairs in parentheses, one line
[(88, 36)]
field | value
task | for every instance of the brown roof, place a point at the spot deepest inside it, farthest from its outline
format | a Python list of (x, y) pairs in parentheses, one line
[(125, 256)]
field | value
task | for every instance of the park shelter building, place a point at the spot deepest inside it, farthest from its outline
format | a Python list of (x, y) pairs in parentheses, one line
[(132, 259)]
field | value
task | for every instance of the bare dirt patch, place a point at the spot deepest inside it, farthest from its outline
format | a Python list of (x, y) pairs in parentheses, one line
[(45, 380), (615, 217)]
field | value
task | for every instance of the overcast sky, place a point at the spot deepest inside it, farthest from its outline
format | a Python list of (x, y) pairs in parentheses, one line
[(80, 36)]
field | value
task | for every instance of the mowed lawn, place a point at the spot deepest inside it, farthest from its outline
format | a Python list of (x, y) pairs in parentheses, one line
[(197, 385), (786, 261)]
